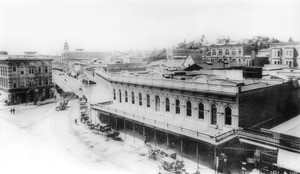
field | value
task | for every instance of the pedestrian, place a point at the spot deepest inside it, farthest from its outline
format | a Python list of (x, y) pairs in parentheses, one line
[(10, 111), (76, 121), (13, 110)]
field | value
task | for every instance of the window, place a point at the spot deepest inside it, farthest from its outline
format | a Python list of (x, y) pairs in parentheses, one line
[(233, 52), (157, 103), (39, 70), (167, 105), (213, 114), (227, 116), (114, 94), (240, 51), (220, 52), (177, 103), (148, 100), (46, 69), (40, 81), (200, 111), (120, 96), (22, 70), (188, 108), (214, 52), (46, 82), (126, 96), (15, 85), (140, 99), (227, 52), (14, 69), (132, 98), (31, 70)]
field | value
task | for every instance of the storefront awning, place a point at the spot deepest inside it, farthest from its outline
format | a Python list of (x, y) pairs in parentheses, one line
[(257, 144), (288, 160)]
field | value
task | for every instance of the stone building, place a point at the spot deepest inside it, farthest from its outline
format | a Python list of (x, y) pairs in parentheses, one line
[(26, 77), (286, 53), (239, 52)]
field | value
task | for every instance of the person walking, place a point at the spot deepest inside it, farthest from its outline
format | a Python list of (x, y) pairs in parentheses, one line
[(76, 121), (13, 110), (10, 110)]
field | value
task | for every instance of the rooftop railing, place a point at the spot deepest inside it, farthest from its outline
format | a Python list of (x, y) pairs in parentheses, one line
[(175, 84)]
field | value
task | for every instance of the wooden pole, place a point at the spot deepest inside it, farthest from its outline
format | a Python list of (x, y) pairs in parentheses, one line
[(155, 136), (125, 127), (133, 132), (181, 147), (197, 154), (168, 144)]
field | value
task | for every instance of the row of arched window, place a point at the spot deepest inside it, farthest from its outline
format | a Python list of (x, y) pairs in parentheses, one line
[(226, 51), (188, 109)]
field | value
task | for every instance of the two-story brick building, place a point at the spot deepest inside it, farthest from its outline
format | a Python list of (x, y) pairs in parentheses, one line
[(26, 77), (285, 53), (194, 116)]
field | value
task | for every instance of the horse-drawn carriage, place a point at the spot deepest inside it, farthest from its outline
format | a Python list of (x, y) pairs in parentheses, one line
[(62, 106)]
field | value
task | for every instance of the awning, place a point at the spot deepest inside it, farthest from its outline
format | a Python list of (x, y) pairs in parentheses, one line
[(288, 160), (257, 144)]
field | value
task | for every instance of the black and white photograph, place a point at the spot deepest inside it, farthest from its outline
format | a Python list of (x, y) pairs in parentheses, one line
[(150, 87)]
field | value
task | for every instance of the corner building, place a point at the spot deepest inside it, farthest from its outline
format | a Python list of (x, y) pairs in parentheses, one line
[(26, 77), (193, 117)]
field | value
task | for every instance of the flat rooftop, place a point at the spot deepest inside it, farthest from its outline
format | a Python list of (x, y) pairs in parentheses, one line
[(290, 127), (207, 82)]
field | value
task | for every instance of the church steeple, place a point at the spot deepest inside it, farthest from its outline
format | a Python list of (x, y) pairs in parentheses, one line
[(66, 46)]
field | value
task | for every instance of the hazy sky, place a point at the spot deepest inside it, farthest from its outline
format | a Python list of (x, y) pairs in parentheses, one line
[(44, 25)]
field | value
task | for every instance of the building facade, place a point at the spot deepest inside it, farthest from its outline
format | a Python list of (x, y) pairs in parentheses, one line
[(199, 115), (26, 77), (286, 53), (239, 52)]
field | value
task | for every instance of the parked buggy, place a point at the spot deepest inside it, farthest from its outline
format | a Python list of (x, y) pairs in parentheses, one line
[(62, 106), (170, 166)]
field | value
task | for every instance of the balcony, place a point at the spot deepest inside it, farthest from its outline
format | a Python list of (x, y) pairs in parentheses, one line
[(186, 127)]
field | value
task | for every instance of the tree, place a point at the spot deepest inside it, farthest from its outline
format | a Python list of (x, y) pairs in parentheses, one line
[(158, 55)]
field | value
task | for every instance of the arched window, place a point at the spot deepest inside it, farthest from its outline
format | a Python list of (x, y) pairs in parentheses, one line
[(233, 52), (120, 95), (40, 70), (157, 103), (126, 96), (201, 111), (188, 108), (227, 52), (177, 103), (214, 52), (227, 116), (220, 52), (132, 98), (148, 100), (167, 105), (213, 114), (140, 99), (46, 69)]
